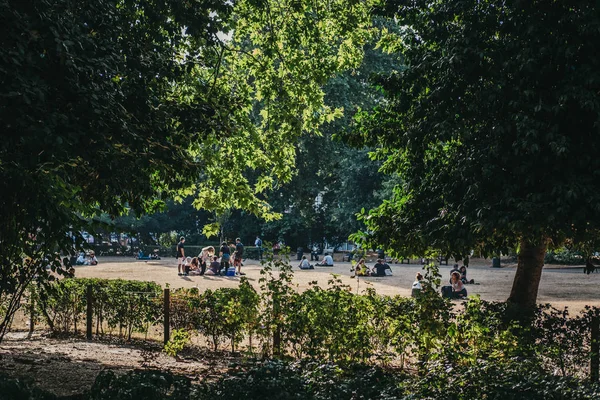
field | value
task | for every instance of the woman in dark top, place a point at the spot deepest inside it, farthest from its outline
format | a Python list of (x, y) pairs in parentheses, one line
[(225, 257)]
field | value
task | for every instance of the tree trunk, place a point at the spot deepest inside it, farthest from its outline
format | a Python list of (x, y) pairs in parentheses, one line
[(529, 272)]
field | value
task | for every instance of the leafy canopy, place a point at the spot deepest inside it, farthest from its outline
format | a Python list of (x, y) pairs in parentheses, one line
[(492, 126)]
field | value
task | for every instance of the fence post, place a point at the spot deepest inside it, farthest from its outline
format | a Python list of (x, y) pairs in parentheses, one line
[(89, 313), (167, 310), (595, 359), (31, 313), (277, 332)]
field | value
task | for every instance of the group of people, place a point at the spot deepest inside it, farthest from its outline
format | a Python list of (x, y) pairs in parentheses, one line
[(327, 262), (87, 259), (209, 262), (381, 268), (455, 290)]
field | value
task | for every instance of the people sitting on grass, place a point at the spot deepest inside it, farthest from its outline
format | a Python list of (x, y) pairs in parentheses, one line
[(327, 261), (304, 264), (381, 268), (142, 256), (361, 268)]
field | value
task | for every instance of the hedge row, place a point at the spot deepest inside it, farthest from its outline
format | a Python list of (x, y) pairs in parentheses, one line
[(329, 323)]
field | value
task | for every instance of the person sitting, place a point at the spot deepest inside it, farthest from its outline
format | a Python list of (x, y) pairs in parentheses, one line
[(142, 256), (205, 258), (463, 275), (458, 288), (187, 265), (381, 269), (80, 259), (194, 266), (327, 261), (417, 285), (93, 259), (361, 268), (453, 270), (304, 264), (214, 267)]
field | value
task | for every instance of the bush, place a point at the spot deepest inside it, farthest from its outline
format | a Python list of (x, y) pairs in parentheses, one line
[(147, 385), (20, 389), (564, 256), (131, 306)]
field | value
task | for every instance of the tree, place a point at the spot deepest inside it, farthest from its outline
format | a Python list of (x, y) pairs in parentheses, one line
[(93, 120), (116, 105), (333, 181), (492, 128)]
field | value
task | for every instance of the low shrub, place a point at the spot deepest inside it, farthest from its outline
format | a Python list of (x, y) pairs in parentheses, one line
[(564, 256), (130, 306)]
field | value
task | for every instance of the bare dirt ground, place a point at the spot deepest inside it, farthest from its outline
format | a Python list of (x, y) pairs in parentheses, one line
[(69, 366)]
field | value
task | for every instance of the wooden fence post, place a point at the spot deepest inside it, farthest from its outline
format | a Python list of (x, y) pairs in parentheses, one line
[(595, 359), (31, 314), (89, 313), (277, 333), (167, 310)]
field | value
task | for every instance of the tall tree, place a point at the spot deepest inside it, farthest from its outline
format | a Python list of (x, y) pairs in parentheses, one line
[(493, 128), (111, 105)]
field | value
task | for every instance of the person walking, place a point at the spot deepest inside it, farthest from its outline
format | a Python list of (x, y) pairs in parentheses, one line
[(258, 244), (180, 255)]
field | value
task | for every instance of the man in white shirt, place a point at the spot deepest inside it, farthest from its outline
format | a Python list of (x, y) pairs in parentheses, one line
[(327, 261)]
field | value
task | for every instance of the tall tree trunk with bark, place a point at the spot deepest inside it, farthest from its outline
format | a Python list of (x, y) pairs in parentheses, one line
[(529, 273)]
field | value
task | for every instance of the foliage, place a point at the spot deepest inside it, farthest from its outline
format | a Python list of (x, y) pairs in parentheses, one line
[(130, 306), (94, 121), (279, 380), (564, 256), (225, 313), (179, 338), (150, 385), (444, 353), (474, 135), (19, 389), (115, 106)]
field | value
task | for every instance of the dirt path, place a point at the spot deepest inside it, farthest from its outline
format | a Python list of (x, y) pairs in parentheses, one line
[(70, 366)]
